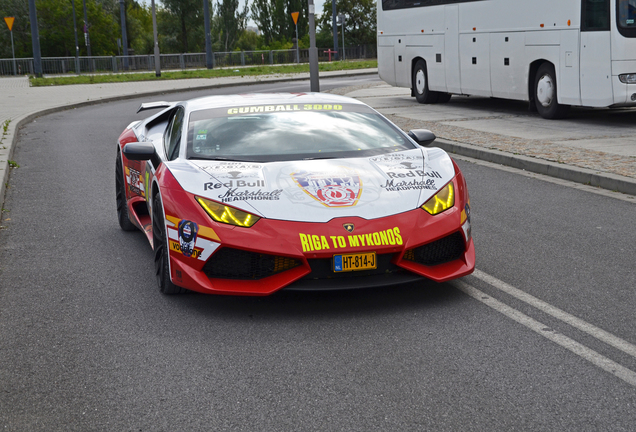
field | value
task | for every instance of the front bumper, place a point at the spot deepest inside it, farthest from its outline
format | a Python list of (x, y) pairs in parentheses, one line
[(274, 254)]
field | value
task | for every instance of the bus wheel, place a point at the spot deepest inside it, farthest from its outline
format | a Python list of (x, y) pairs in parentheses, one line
[(545, 94), (420, 84), (443, 97)]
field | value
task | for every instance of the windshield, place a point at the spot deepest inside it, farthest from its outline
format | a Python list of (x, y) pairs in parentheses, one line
[(627, 14), (291, 132)]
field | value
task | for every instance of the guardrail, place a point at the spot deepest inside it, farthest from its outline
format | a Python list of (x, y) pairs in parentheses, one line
[(139, 63)]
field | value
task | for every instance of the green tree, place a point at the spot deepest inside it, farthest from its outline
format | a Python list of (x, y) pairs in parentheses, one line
[(188, 17), (232, 22), (360, 22), (19, 9), (139, 28), (55, 26), (273, 18), (262, 16), (249, 41)]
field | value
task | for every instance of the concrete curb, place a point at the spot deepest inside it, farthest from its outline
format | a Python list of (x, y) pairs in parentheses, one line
[(565, 172), (18, 122)]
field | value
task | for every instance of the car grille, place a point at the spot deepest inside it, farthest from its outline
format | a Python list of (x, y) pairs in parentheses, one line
[(228, 263), (440, 251)]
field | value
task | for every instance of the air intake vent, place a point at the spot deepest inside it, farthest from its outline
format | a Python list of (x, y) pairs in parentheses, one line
[(228, 263), (438, 252)]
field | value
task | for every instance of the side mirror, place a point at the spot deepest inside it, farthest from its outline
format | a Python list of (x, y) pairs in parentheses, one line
[(422, 136), (140, 151)]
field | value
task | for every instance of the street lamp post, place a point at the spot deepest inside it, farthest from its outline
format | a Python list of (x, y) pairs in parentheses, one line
[(334, 26), (209, 58), (124, 38), (87, 38), (341, 18), (154, 35), (313, 51), (77, 65), (35, 40)]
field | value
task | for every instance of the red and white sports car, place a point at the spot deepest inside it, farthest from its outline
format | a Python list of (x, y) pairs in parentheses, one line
[(250, 194)]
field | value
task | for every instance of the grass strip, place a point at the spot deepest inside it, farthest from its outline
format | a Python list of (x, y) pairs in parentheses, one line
[(200, 73)]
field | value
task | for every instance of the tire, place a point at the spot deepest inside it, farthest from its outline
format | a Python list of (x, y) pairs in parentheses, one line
[(443, 97), (120, 195), (160, 242), (545, 94), (420, 84)]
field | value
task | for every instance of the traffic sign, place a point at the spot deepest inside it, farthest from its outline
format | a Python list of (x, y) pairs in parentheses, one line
[(9, 21), (294, 17)]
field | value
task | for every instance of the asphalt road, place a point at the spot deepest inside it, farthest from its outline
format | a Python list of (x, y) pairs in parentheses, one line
[(88, 343)]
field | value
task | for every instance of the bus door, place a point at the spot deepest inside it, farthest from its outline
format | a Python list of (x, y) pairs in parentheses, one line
[(451, 49), (386, 59), (595, 54)]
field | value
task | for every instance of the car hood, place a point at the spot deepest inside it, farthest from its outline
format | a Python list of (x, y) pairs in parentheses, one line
[(320, 190)]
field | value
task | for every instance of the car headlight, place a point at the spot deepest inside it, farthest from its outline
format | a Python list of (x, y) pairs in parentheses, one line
[(228, 215), (441, 201)]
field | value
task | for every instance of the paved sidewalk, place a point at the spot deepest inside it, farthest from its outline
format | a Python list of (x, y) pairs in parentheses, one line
[(594, 147)]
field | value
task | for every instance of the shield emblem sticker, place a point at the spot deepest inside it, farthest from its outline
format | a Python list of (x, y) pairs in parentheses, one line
[(348, 226), (339, 188)]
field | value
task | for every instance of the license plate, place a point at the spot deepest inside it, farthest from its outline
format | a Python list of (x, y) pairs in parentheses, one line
[(353, 262)]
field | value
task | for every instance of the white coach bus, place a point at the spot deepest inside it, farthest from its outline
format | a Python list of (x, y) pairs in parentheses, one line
[(552, 53)]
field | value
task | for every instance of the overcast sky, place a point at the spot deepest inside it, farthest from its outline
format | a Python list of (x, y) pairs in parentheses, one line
[(318, 3)]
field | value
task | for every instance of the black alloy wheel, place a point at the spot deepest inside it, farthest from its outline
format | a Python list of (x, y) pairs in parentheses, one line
[(160, 244), (120, 194)]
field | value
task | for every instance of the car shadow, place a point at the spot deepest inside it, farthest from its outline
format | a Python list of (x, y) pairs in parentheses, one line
[(414, 296)]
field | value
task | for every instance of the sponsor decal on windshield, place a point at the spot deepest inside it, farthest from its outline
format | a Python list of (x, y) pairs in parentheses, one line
[(312, 242), (274, 108), (339, 188)]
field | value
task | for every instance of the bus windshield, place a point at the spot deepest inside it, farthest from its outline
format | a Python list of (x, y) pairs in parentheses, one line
[(627, 13)]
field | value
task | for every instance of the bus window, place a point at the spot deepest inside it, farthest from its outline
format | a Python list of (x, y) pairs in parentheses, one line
[(595, 15), (627, 13)]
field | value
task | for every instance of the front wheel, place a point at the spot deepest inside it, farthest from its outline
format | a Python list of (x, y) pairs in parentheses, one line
[(120, 194), (545, 94), (160, 244), (420, 84)]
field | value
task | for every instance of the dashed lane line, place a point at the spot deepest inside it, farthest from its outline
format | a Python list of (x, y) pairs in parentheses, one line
[(582, 351)]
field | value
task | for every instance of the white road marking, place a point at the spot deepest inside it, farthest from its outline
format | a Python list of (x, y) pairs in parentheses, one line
[(557, 313), (546, 178), (582, 351)]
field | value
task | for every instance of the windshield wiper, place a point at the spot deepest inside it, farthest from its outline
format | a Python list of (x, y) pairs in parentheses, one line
[(220, 158), (319, 157)]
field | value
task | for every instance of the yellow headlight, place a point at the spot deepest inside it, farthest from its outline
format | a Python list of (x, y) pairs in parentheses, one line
[(229, 215), (441, 201)]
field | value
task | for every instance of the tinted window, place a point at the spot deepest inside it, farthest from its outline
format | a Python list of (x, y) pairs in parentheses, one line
[(289, 132), (172, 139), (403, 4), (626, 17), (595, 15)]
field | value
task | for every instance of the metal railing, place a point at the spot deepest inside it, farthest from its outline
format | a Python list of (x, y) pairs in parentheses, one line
[(140, 63)]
